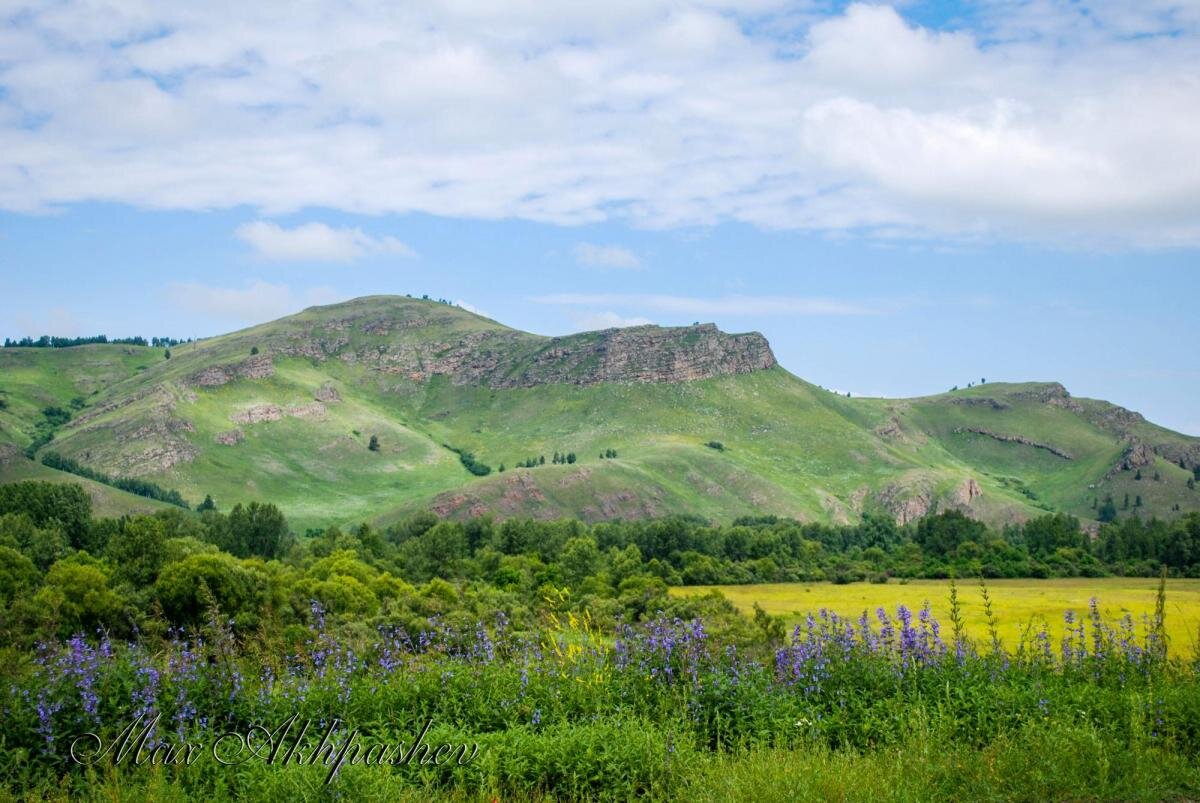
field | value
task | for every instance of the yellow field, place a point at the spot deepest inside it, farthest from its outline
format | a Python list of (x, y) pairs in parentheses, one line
[(1016, 603)]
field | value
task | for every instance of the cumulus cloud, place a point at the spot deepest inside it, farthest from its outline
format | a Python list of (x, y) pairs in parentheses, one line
[(606, 256), (315, 242), (256, 302), (724, 305), (1057, 121)]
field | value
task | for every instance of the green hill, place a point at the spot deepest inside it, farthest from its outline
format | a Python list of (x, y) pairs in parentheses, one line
[(286, 412)]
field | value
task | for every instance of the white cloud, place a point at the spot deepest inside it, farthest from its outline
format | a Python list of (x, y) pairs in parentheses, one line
[(724, 305), (257, 302), (316, 242), (606, 256), (607, 320), (1055, 121)]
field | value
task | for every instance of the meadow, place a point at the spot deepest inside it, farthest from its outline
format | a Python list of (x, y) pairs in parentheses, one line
[(559, 650), (1021, 606)]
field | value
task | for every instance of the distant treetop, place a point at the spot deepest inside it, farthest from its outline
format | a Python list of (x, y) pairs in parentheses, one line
[(49, 342)]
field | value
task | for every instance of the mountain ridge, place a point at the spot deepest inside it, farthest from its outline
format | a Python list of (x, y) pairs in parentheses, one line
[(284, 411)]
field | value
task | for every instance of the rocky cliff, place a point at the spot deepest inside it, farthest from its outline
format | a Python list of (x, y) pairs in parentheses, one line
[(640, 354), (420, 347)]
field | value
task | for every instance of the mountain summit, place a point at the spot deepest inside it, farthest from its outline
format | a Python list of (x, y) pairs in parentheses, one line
[(381, 405)]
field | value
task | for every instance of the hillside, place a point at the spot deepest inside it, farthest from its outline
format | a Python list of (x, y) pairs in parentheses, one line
[(286, 412)]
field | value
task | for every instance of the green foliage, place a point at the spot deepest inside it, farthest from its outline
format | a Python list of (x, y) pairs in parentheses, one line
[(373, 445), (190, 588), (76, 598), (720, 447), (46, 502), (1108, 510), (138, 550), (470, 463), (254, 529), (18, 575)]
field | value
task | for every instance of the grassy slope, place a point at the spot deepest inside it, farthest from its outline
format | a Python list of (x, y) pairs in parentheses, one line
[(106, 501), (792, 448)]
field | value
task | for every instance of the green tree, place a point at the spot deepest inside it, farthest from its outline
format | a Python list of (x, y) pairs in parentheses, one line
[(76, 597), (167, 354), (207, 504), (256, 529), (374, 443), (1108, 510), (579, 559), (66, 503), (18, 575), (138, 550), (187, 589)]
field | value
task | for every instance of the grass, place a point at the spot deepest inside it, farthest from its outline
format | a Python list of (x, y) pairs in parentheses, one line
[(1017, 602), (1042, 763), (792, 449)]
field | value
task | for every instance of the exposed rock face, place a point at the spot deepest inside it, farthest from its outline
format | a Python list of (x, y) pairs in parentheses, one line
[(904, 504), (230, 438), (157, 456), (1054, 450), (257, 367), (1136, 455), (979, 401), (257, 414), (310, 410), (1181, 454), (1113, 418), (327, 394), (158, 432), (643, 354), (890, 429), (1052, 394), (273, 412), (967, 493), (504, 358)]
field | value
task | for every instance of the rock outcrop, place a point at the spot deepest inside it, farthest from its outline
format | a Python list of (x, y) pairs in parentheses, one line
[(1135, 456), (230, 438), (967, 493), (1021, 439), (257, 367), (504, 358), (327, 394), (641, 354)]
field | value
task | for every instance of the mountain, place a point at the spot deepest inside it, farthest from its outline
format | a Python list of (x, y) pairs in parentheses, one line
[(702, 422)]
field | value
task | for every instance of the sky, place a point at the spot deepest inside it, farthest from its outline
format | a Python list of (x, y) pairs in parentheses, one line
[(902, 197)]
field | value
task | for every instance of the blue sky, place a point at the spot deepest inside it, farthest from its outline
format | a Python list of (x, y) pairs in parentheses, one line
[(902, 198)]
